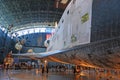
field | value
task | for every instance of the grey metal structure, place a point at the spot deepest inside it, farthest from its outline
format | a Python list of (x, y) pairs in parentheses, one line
[(21, 12)]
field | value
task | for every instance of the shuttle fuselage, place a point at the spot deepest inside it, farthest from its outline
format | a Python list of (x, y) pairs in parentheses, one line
[(90, 30)]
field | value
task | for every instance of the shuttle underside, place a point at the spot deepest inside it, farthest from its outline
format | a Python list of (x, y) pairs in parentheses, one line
[(102, 54)]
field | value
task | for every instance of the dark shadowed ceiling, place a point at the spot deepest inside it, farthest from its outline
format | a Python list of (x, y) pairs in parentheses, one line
[(22, 12)]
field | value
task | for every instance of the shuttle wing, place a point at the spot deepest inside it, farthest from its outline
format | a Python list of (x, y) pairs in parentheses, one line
[(43, 54)]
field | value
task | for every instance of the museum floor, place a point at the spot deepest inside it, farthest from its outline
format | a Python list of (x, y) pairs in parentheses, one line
[(64, 75)]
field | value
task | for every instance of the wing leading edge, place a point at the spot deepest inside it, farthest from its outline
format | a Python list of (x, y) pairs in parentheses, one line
[(43, 54)]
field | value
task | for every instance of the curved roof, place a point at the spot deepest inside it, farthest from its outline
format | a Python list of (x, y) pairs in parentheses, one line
[(22, 12)]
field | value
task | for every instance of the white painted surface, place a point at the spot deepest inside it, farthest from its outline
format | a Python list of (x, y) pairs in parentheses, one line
[(70, 24)]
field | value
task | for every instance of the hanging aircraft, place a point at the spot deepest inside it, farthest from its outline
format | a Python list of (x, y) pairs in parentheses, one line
[(88, 34)]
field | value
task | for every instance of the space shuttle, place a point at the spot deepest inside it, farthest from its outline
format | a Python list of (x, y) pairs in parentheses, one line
[(88, 34)]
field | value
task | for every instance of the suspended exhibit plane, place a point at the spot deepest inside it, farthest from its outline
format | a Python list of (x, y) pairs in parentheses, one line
[(88, 34)]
